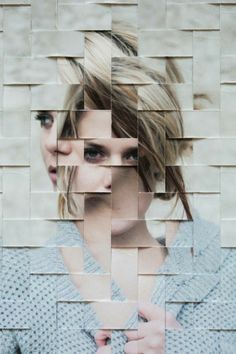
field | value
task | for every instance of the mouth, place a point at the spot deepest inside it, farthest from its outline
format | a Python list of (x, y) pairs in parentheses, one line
[(52, 171)]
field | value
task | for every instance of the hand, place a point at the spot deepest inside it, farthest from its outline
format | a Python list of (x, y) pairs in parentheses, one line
[(105, 349), (150, 336), (100, 339)]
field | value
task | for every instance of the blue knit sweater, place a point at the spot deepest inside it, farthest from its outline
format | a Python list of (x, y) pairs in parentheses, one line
[(42, 312)]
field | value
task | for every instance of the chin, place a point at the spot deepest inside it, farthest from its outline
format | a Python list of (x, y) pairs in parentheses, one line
[(119, 227)]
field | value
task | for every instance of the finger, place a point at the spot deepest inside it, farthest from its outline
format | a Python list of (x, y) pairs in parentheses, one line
[(151, 311), (132, 335), (146, 329), (104, 350), (171, 322), (101, 337), (135, 347), (150, 344)]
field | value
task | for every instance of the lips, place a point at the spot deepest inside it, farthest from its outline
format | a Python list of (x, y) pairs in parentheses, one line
[(52, 171)]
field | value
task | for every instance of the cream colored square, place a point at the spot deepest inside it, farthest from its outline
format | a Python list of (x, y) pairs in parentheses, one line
[(228, 194), (14, 151), (228, 69), (26, 70), (149, 17), (228, 33), (204, 179), (32, 233), (193, 16), (58, 43), (44, 205), (165, 43), (84, 17), (16, 124), (48, 97), (16, 98), (208, 206), (16, 193), (206, 70), (44, 14)]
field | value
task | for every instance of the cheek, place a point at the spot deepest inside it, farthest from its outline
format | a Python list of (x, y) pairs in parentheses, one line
[(87, 179), (43, 147), (145, 200)]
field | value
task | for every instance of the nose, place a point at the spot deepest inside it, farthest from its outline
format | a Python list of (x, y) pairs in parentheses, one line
[(50, 140), (64, 147), (115, 160), (104, 185), (107, 179)]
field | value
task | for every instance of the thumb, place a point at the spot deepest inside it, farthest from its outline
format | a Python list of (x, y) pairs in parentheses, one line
[(150, 311), (101, 337)]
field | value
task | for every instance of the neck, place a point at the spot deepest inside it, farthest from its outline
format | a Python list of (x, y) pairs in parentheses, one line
[(137, 236)]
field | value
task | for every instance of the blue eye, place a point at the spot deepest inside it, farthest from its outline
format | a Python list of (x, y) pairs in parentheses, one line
[(46, 119), (132, 156), (93, 155)]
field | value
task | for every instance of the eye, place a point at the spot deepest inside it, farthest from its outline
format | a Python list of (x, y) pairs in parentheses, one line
[(93, 155), (132, 156), (46, 119)]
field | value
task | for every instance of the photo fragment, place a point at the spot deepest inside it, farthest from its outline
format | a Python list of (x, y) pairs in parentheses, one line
[(117, 171)]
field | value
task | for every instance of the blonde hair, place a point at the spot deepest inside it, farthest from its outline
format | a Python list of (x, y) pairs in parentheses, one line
[(106, 82)]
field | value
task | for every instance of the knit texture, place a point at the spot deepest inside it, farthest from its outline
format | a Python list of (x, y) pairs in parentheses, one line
[(42, 312)]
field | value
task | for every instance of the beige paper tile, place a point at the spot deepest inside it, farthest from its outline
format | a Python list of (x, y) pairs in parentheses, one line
[(206, 70), (21, 233), (228, 32), (149, 17), (16, 124), (44, 205), (193, 16), (84, 17), (16, 201), (165, 43), (57, 43), (26, 70), (228, 193), (16, 98), (48, 97), (228, 69), (44, 14), (208, 206), (14, 151)]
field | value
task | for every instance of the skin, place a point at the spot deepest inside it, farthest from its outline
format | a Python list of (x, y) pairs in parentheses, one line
[(150, 336), (110, 168), (94, 173)]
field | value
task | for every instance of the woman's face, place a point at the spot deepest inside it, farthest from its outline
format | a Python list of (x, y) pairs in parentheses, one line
[(106, 164)]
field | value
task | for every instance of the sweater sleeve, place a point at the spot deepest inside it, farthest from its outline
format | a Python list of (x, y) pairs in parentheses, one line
[(8, 342), (14, 297), (209, 326)]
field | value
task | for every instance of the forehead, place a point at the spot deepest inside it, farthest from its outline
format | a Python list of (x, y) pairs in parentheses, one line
[(94, 124)]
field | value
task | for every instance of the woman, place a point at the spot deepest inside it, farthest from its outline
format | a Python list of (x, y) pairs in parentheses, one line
[(129, 154)]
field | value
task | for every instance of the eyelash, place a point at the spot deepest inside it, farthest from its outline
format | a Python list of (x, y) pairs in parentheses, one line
[(42, 117), (93, 150)]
